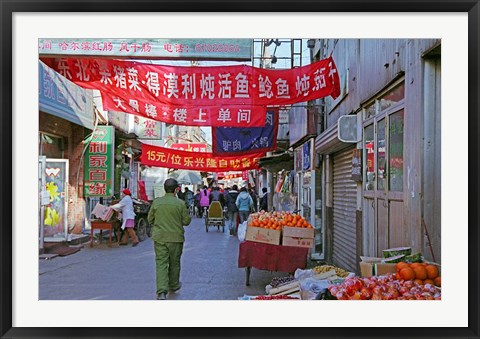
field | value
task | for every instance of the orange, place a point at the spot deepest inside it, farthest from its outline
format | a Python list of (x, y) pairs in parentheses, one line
[(432, 271), (420, 272), (419, 281), (401, 265), (398, 276), (415, 264), (428, 281), (407, 273), (438, 281)]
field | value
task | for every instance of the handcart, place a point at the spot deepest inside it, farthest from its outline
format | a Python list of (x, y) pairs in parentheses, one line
[(214, 216)]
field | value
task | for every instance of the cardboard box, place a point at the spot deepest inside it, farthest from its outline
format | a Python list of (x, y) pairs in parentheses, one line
[(103, 212), (369, 269), (264, 235), (298, 236), (298, 232), (297, 242)]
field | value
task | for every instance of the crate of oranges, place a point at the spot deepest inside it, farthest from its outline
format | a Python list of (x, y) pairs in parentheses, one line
[(277, 220), (422, 273), (296, 230), (268, 226)]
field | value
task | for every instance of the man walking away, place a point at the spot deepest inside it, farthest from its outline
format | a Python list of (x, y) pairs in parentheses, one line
[(216, 195), (232, 210), (264, 200), (189, 201), (244, 203), (168, 215)]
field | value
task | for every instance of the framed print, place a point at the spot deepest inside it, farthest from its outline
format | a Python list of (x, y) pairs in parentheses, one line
[(408, 72)]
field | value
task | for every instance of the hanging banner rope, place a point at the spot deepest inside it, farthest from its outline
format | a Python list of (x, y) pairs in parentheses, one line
[(182, 86), (237, 140), (205, 162)]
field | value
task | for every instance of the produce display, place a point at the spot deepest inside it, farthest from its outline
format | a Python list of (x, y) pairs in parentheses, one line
[(273, 297), (384, 287), (417, 257), (421, 273), (392, 252), (277, 281), (275, 220), (325, 268)]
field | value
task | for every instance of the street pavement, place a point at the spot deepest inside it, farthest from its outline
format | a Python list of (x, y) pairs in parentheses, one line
[(209, 270)]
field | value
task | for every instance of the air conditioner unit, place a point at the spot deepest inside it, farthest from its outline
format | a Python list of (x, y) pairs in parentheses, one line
[(350, 128)]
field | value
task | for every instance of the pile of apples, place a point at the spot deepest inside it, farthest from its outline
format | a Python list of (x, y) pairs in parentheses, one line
[(384, 287)]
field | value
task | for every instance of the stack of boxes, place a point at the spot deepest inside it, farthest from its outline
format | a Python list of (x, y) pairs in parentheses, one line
[(289, 236)]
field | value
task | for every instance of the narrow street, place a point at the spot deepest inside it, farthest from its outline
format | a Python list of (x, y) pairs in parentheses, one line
[(209, 271)]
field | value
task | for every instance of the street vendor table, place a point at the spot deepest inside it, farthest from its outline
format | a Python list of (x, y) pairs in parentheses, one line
[(102, 225), (270, 257)]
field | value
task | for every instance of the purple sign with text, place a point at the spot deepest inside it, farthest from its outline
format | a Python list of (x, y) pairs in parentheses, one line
[(247, 140)]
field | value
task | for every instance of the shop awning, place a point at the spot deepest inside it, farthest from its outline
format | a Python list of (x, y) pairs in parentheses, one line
[(277, 162)]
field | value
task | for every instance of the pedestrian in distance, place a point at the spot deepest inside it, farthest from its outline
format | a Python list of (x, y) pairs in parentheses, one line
[(225, 192), (232, 210), (168, 215), (125, 205), (197, 203), (189, 201), (216, 195), (244, 204), (264, 200), (252, 193), (204, 199), (180, 194)]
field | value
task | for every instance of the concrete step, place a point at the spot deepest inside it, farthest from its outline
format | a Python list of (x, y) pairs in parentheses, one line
[(78, 239)]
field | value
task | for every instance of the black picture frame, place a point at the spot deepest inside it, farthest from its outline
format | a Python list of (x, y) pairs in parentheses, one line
[(9, 7)]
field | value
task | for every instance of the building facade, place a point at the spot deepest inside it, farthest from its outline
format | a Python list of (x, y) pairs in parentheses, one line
[(66, 118), (380, 185)]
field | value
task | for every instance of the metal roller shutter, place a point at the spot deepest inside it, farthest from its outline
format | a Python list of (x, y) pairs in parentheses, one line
[(344, 211)]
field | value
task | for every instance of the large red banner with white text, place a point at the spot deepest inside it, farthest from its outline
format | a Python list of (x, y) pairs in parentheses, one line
[(205, 162), (138, 87)]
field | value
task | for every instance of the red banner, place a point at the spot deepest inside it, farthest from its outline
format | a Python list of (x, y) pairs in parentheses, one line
[(216, 116), (201, 86), (205, 162)]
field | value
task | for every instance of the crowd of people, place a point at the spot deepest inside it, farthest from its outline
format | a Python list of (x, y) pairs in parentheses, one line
[(236, 203)]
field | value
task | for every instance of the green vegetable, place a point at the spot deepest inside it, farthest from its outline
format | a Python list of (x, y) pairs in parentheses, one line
[(392, 252), (395, 259), (417, 257)]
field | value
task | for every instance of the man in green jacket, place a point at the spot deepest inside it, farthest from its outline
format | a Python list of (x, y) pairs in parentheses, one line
[(168, 215)]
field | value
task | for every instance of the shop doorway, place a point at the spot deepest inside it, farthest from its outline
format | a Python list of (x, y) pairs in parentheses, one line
[(383, 132)]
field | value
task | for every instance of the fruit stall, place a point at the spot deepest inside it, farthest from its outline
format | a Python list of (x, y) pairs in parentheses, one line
[(399, 275), (275, 241)]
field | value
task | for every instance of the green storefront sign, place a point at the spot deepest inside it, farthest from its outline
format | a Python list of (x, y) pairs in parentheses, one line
[(98, 179)]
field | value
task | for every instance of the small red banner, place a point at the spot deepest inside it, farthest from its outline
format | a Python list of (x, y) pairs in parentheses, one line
[(205, 162), (215, 116)]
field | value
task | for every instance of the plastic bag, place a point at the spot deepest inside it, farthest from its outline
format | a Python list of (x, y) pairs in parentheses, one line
[(242, 231), (314, 285), (303, 274)]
